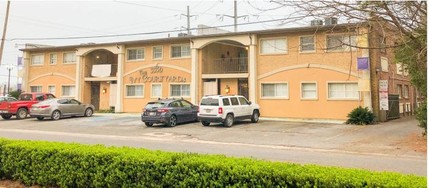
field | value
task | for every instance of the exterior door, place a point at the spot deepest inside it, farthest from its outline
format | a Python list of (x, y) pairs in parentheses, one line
[(210, 87), (243, 87), (95, 95)]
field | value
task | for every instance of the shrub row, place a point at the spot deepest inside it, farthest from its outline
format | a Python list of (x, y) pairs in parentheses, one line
[(78, 165)]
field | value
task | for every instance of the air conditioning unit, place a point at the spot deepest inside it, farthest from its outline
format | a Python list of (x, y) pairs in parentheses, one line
[(316, 22), (182, 34), (331, 21)]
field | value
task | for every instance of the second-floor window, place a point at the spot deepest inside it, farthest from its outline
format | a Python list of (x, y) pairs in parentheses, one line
[(306, 44), (69, 57), (274, 46), (157, 52), (406, 91), (180, 50), (340, 42), (37, 59), (399, 90), (135, 54), (53, 59)]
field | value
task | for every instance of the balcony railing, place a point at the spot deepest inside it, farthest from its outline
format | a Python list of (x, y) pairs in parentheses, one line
[(226, 66)]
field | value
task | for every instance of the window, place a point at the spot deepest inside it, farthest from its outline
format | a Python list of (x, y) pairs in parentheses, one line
[(180, 90), (225, 102), (243, 101), (135, 54), (51, 89), (273, 46), (382, 44), (69, 57), (53, 59), (36, 89), (181, 50), (399, 68), (343, 91), (234, 101), (399, 90), (186, 104), (306, 44), (157, 52), (39, 97), (279, 90), (67, 91), (135, 90), (340, 42), (37, 59), (406, 91), (308, 91), (156, 90)]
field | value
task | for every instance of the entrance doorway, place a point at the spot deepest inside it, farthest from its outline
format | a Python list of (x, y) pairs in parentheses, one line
[(95, 95), (243, 87), (210, 87)]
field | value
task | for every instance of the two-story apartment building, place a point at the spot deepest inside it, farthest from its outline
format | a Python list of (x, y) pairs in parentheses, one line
[(319, 72)]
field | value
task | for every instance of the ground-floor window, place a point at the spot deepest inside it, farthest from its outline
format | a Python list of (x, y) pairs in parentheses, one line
[(67, 91), (51, 89), (156, 90), (275, 90), (308, 90), (135, 90), (180, 90), (343, 91), (37, 89)]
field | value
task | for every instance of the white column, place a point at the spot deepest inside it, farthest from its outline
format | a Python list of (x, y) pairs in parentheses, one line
[(119, 83), (78, 84), (194, 76), (26, 60), (252, 72)]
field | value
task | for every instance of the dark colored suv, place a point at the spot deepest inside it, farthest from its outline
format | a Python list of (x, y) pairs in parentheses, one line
[(169, 112)]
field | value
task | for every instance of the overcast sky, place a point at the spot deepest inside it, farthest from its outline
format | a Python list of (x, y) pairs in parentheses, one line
[(37, 21)]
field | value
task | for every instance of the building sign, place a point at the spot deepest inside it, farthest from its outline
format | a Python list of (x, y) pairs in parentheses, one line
[(384, 94), (155, 75), (362, 63)]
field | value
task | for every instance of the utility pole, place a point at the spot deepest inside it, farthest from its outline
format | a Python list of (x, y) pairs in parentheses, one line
[(235, 16), (188, 18), (4, 30), (9, 68)]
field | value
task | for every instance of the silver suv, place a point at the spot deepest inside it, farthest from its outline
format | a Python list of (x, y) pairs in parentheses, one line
[(226, 109)]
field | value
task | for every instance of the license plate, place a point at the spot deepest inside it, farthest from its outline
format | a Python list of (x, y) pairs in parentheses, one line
[(3, 111), (208, 110), (152, 113)]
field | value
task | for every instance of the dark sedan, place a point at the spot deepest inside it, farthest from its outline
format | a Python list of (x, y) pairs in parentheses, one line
[(169, 112)]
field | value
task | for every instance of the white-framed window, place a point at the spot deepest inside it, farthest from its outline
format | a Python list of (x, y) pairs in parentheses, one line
[(406, 91), (53, 59), (135, 54), (67, 91), (399, 90), (275, 90), (346, 90), (69, 57), (274, 46), (36, 89), (37, 59), (180, 90), (308, 90), (307, 44), (340, 42), (157, 52), (51, 89), (135, 90), (156, 90), (180, 50), (399, 68)]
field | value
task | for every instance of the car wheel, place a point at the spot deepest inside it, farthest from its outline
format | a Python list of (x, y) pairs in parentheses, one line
[(22, 113), (6, 116), (255, 116), (173, 121), (148, 124), (229, 120), (40, 118), (88, 112), (56, 115), (205, 123)]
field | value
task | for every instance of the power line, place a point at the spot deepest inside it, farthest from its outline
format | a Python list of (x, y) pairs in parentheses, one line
[(143, 33)]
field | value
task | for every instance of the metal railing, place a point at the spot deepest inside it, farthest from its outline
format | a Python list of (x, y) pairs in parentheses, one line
[(226, 66)]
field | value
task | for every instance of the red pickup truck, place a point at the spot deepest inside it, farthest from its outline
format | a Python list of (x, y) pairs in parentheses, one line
[(21, 108)]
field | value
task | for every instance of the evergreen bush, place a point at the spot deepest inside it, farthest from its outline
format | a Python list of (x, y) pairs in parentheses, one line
[(361, 116)]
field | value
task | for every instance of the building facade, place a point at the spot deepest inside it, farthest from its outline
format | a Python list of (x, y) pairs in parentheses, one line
[(320, 72)]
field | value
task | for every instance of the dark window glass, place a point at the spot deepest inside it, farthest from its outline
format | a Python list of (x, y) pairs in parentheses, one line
[(210, 102), (226, 102), (234, 101)]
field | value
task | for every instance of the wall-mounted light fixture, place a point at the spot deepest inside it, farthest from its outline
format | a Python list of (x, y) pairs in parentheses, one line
[(104, 90), (227, 89)]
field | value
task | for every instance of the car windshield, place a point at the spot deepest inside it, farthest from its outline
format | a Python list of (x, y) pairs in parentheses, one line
[(151, 105), (25, 97), (210, 102)]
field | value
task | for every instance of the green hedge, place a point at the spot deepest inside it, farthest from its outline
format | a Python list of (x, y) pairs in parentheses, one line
[(78, 165)]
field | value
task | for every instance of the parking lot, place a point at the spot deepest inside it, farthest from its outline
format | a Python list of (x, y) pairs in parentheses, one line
[(395, 139)]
